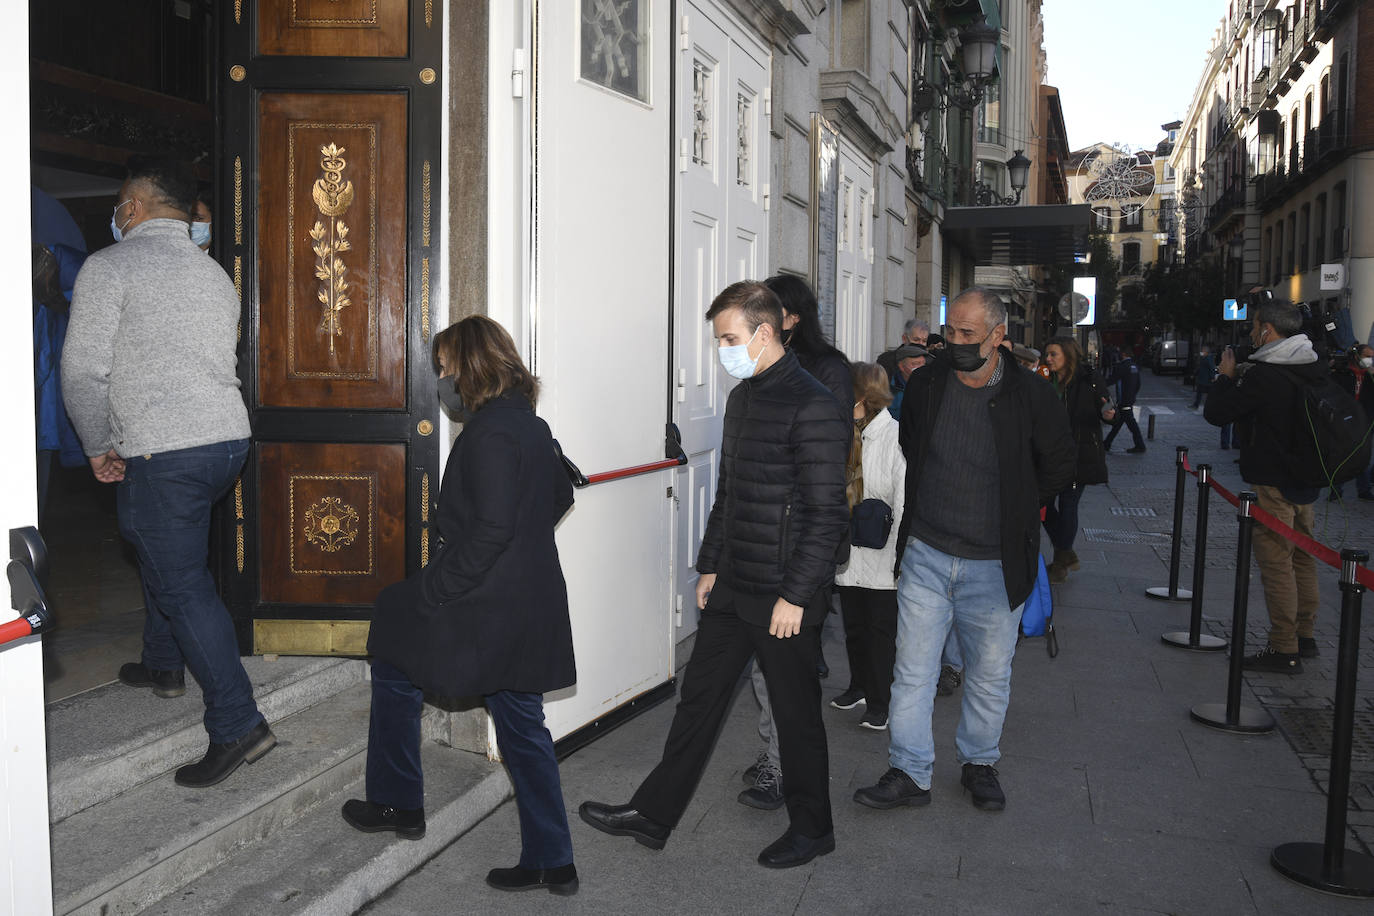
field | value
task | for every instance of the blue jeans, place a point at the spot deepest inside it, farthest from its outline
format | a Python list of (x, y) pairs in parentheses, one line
[(951, 655), (937, 591), (395, 778), (164, 507)]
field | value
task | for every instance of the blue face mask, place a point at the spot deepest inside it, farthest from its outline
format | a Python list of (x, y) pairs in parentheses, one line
[(737, 361), (200, 234), (115, 229)]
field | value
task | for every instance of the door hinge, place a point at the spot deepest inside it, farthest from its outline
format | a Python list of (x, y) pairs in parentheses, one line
[(682, 386), (767, 197), (517, 74), (684, 42), (684, 154), (768, 103), (679, 610)]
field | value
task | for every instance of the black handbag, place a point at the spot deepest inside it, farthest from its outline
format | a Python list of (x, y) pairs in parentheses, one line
[(870, 524)]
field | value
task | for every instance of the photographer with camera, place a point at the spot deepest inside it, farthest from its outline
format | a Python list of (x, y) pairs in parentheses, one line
[(1263, 398)]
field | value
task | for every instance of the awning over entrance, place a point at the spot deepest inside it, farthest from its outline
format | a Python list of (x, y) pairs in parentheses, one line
[(1041, 235)]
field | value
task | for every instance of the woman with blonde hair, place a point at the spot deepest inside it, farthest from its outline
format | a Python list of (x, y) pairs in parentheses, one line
[(876, 490), (488, 616)]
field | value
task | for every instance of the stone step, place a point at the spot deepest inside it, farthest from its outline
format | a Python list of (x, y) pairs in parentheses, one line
[(129, 851), (112, 738), (319, 866)]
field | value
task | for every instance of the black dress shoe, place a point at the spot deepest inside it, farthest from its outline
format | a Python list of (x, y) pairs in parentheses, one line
[(622, 820), (893, 790), (165, 684), (792, 849), (408, 823), (222, 759), (561, 880)]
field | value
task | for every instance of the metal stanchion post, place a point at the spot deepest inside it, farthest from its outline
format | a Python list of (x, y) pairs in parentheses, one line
[(1195, 639), (1329, 866), (1173, 593), (1231, 716), (1151, 434)]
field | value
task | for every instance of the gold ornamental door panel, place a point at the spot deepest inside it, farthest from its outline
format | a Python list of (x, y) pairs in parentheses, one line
[(333, 521), (335, 28), (332, 250)]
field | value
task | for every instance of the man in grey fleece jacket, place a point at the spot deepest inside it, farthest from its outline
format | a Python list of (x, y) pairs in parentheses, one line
[(148, 376)]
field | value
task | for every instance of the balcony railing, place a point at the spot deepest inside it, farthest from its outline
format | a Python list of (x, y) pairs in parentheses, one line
[(1303, 161), (1232, 199)]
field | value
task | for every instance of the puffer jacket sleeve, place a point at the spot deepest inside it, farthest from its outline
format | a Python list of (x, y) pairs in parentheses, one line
[(819, 517)]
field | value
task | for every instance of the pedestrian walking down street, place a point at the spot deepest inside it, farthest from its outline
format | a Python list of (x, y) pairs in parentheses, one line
[(1353, 376), (1261, 397), (150, 383), (1086, 400), (767, 561), (1125, 377), (488, 616), (802, 335), (1204, 375), (876, 492), (987, 445)]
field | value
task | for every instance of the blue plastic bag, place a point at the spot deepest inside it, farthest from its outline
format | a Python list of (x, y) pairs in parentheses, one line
[(1039, 607)]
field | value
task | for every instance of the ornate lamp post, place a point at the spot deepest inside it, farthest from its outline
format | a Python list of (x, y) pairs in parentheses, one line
[(1018, 171)]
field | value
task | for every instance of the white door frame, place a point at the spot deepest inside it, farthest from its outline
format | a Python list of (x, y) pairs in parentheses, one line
[(25, 864)]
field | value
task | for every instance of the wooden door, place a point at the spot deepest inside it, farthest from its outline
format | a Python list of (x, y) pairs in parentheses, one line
[(328, 158)]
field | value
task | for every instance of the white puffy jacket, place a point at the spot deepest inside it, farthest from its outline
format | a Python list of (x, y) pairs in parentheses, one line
[(884, 469)]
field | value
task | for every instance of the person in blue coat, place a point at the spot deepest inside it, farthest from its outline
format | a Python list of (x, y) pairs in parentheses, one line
[(488, 616)]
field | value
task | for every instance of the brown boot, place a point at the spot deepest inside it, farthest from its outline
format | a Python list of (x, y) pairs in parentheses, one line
[(1071, 561), (1058, 569)]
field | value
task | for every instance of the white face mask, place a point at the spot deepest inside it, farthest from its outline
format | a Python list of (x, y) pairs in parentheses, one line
[(737, 361), (200, 234), (115, 229), (1367, 362)]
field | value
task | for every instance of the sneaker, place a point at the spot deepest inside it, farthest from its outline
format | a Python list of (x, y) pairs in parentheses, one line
[(981, 782), (893, 790), (849, 699), (751, 772), (1307, 647), (766, 792), (950, 679), (1267, 659), (1137, 450), (874, 720), (165, 684)]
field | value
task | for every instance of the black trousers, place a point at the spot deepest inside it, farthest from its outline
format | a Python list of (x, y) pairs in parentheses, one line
[(870, 640), (724, 645), (1125, 415)]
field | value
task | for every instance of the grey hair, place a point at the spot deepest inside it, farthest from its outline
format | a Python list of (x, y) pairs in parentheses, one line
[(1283, 316), (994, 309), (914, 323)]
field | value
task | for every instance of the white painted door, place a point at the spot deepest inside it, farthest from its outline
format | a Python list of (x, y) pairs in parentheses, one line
[(25, 868), (721, 138), (854, 258), (598, 330)]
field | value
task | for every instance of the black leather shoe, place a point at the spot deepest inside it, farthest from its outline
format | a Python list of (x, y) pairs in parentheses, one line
[(622, 820), (981, 781), (165, 684), (408, 823), (792, 849), (561, 880), (1307, 647), (222, 759), (893, 790)]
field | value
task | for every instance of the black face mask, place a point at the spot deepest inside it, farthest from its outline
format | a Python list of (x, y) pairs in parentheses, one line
[(452, 399), (966, 357)]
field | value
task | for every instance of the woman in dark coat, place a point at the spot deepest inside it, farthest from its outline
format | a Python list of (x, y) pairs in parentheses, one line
[(1084, 396), (488, 616)]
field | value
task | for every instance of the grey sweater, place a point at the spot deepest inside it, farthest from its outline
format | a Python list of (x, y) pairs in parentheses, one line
[(149, 362)]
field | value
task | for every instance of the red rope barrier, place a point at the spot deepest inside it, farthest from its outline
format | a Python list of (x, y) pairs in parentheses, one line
[(1318, 550), (15, 629)]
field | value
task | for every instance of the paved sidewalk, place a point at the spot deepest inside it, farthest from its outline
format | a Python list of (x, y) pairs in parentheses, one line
[(1117, 802)]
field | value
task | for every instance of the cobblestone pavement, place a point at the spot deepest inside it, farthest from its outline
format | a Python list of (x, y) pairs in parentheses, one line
[(1301, 704)]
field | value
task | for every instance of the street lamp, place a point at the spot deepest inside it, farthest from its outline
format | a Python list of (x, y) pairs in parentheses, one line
[(1018, 171), (978, 45)]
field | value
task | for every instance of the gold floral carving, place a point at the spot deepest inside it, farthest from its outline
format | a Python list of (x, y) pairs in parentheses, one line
[(237, 73), (238, 200), (424, 299), (424, 497), (424, 427), (238, 276), (238, 528), (238, 12), (424, 205), (424, 547), (429, 13), (331, 524), (333, 195), (428, 76)]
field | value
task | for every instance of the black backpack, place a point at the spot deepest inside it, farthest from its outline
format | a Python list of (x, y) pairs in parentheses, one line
[(1331, 434)]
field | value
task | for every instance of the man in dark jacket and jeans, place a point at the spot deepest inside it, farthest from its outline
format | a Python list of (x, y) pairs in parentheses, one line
[(987, 444), (1125, 375), (1262, 399), (766, 562)]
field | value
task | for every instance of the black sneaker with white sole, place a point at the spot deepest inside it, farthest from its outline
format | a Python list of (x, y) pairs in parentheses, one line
[(875, 720), (852, 697)]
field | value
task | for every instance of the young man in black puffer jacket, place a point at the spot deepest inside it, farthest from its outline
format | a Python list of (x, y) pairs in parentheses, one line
[(766, 562)]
